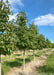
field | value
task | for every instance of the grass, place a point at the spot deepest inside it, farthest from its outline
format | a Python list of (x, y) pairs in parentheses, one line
[(16, 62), (11, 56), (39, 53), (49, 66)]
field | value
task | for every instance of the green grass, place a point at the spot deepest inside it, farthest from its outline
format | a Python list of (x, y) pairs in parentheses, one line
[(7, 65), (49, 66), (39, 53), (14, 56), (16, 62), (11, 56)]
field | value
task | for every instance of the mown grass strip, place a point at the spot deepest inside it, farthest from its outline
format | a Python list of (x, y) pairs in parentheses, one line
[(49, 66)]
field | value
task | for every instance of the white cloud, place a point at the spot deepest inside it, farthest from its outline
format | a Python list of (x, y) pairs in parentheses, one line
[(44, 20), (14, 4), (18, 2)]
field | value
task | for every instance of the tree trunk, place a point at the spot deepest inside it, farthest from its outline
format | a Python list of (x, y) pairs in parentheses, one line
[(24, 60), (34, 55), (0, 58), (22, 52)]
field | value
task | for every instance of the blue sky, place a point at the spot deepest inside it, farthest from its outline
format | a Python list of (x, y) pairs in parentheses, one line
[(39, 11)]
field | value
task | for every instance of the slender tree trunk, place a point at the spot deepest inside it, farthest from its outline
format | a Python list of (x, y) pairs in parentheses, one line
[(22, 52), (24, 60), (0, 58), (34, 55)]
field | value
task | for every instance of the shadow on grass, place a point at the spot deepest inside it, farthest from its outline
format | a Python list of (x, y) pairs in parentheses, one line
[(7, 65), (17, 62), (14, 63), (30, 55), (2, 72), (17, 54), (37, 55), (46, 69)]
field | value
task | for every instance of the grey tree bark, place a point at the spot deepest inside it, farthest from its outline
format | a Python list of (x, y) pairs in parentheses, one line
[(34, 55), (24, 60)]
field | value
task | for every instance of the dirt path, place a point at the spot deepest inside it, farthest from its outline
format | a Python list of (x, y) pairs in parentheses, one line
[(31, 67)]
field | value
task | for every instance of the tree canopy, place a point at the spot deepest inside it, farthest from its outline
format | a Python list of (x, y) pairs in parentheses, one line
[(16, 33), (6, 29)]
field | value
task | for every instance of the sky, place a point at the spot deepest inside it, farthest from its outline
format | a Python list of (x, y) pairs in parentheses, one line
[(38, 11)]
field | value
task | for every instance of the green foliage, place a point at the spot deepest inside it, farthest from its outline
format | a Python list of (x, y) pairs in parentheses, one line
[(52, 45), (41, 41), (33, 32), (4, 12), (21, 18), (22, 30), (48, 43), (15, 33), (7, 34)]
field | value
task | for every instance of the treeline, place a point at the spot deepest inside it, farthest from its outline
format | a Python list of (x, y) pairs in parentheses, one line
[(16, 34)]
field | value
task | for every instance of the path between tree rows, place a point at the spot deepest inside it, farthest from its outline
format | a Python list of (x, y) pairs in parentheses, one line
[(31, 67)]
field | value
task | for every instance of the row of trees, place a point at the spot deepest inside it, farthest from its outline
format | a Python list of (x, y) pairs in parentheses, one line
[(16, 34)]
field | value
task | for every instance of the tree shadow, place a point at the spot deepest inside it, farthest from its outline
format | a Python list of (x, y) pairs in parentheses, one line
[(37, 55), (17, 62), (29, 55), (17, 54), (27, 60)]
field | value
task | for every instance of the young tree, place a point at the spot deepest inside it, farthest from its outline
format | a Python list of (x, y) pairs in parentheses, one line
[(52, 45), (41, 41), (33, 32), (48, 43), (6, 29), (4, 12), (21, 32)]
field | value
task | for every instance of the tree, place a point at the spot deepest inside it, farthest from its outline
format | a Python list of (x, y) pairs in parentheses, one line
[(7, 34), (41, 41), (21, 32), (52, 45), (48, 43), (33, 32), (4, 12)]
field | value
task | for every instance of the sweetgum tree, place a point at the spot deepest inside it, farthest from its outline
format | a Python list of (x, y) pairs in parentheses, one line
[(33, 32), (6, 29), (21, 32)]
